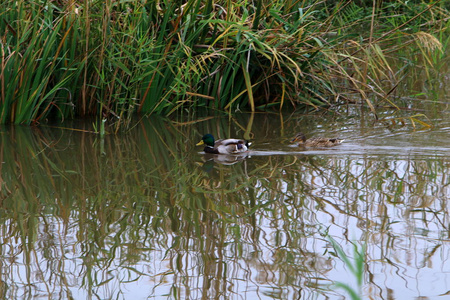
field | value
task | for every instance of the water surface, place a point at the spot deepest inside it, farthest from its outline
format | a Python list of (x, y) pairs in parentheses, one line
[(146, 215)]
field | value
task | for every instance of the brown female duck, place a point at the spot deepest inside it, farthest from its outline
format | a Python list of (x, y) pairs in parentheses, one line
[(317, 142)]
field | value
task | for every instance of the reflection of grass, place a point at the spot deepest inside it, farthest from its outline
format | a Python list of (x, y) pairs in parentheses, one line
[(356, 268), (146, 193)]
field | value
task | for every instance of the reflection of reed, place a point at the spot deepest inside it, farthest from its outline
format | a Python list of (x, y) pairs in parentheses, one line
[(83, 214)]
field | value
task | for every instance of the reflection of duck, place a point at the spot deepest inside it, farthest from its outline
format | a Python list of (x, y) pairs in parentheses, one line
[(317, 142), (225, 159), (227, 146)]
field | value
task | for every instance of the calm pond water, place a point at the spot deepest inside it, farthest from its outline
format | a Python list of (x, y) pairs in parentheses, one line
[(146, 215)]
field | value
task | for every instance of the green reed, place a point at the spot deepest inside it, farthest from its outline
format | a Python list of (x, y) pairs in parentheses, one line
[(355, 265), (113, 59)]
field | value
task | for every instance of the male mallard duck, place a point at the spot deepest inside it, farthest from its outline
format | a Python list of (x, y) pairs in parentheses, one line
[(317, 142), (228, 146)]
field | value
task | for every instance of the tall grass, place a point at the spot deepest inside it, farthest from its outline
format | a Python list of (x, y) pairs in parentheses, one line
[(112, 59)]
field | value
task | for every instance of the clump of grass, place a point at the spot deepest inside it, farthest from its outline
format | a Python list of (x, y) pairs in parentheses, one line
[(34, 78), (113, 59), (355, 266)]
